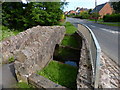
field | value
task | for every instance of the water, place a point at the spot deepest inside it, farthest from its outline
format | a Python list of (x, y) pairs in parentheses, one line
[(72, 63)]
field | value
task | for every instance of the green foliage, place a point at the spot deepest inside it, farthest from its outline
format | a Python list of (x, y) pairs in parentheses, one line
[(60, 73), (5, 32), (70, 41), (11, 59), (23, 86), (116, 6), (70, 29), (89, 12), (112, 18), (83, 15), (21, 16), (94, 16)]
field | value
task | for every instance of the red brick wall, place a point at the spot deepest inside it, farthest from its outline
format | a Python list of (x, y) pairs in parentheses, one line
[(106, 10)]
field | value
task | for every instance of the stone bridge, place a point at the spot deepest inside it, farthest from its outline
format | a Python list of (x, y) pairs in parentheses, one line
[(33, 49)]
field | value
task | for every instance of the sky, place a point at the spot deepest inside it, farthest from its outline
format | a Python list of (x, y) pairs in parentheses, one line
[(82, 3), (73, 4)]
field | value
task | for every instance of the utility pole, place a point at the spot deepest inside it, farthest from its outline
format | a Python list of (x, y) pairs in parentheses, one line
[(96, 10)]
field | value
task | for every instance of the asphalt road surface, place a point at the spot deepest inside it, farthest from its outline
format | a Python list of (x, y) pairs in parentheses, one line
[(107, 36)]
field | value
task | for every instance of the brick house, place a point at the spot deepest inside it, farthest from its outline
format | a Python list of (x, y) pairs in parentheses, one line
[(66, 12), (79, 10), (72, 12), (103, 9)]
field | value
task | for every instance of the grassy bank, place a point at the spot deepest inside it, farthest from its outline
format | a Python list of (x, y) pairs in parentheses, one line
[(70, 41), (59, 73), (110, 24), (23, 86), (70, 28), (5, 32)]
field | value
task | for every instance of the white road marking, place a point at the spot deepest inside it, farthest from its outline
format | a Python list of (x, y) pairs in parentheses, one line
[(93, 26), (108, 30)]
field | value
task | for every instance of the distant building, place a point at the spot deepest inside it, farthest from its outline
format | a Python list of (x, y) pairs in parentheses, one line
[(66, 12), (72, 12), (79, 10), (103, 9)]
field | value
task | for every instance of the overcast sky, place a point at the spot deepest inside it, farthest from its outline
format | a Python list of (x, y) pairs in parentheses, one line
[(82, 3)]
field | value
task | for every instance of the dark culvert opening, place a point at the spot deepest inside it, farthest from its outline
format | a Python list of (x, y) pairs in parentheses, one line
[(68, 53)]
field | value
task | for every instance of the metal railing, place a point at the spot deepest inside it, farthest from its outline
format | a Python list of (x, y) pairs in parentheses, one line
[(94, 51)]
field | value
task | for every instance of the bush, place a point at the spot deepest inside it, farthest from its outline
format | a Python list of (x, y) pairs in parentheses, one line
[(83, 15), (94, 16), (112, 18)]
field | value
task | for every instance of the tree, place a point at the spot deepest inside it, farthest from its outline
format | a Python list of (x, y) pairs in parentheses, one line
[(21, 16), (116, 6), (89, 11)]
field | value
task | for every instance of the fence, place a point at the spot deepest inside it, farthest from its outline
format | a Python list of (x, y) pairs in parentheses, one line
[(94, 51)]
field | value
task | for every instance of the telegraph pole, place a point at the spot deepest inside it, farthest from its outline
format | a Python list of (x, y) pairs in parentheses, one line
[(96, 10)]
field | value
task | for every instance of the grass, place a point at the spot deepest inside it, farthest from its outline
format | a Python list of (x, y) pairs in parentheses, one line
[(110, 24), (70, 28), (11, 59), (5, 32), (100, 20), (70, 41), (23, 85), (59, 73)]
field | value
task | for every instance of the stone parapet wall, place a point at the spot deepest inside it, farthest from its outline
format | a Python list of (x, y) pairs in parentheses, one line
[(109, 70), (36, 34), (32, 49), (84, 73), (43, 83)]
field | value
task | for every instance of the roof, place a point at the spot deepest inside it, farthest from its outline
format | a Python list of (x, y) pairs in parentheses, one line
[(98, 8)]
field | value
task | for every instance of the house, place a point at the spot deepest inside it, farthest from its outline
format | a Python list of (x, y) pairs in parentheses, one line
[(103, 9), (79, 10), (72, 12), (66, 12)]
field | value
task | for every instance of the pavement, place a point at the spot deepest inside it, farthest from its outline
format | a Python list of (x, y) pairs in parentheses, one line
[(107, 36), (7, 76)]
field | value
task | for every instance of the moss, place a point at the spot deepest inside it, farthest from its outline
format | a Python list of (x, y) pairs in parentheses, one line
[(60, 73), (11, 59)]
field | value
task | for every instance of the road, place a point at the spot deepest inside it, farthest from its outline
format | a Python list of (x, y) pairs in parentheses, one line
[(107, 36)]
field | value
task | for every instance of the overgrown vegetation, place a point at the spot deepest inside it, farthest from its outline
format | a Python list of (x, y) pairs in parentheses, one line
[(23, 86), (70, 29), (70, 41), (5, 32), (59, 73), (20, 16)]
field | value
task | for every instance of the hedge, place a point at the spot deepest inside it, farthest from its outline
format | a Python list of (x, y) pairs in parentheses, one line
[(112, 18)]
